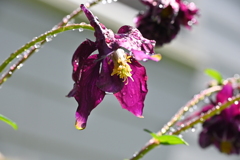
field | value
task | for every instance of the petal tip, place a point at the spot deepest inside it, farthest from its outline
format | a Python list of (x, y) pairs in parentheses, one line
[(80, 126), (156, 57)]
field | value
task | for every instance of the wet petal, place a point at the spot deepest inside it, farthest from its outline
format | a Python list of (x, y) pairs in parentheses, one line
[(133, 94), (84, 50), (140, 55), (109, 83), (86, 93), (204, 139), (225, 93)]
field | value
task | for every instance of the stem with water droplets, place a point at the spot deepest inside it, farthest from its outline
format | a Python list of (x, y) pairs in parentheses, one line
[(207, 92), (17, 65)]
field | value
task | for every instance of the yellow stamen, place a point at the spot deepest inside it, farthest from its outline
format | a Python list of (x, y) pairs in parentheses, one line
[(121, 66), (226, 147)]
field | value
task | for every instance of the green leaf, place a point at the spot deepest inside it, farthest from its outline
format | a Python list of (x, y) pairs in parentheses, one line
[(8, 121), (214, 74), (167, 139)]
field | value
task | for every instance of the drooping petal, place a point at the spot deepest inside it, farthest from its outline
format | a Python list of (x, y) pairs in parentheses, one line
[(205, 139), (103, 35), (85, 49), (106, 82), (133, 94), (86, 93), (140, 55)]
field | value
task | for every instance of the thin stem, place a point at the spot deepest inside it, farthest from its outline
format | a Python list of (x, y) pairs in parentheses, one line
[(18, 64), (40, 39), (205, 116), (196, 99)]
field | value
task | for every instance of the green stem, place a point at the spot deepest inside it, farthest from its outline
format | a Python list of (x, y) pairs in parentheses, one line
[(40, 39), (196, 99), (205, 116), (17, 65)]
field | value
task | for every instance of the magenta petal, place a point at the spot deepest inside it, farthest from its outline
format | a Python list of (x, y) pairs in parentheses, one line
[(204, 139), (133, 94), (86, 93), (140, 55), (106, 82), (225, 93), (85, 49)]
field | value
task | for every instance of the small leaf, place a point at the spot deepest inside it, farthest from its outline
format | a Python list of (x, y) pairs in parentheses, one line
[(167, 139), (214, 74), (171, 140), (8, 121)]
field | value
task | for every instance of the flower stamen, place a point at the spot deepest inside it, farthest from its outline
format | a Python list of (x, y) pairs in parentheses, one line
[(121, 66)]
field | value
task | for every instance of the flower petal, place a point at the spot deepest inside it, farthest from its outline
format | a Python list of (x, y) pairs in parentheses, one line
[(79, 57), (140, 55), (133, 94), (106, 82), (204, 139), (86, 93), (225, 93)]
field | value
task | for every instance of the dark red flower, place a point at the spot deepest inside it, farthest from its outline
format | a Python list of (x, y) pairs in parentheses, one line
[(114, 69)]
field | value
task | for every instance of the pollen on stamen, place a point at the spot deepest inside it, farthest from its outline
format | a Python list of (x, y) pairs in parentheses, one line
[(121, 66)]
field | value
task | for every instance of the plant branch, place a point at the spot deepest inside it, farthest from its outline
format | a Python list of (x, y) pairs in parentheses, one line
[(196, 99), (40, 39), (22, 59)]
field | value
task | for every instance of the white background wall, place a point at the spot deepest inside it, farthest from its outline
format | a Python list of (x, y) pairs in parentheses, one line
[(35, 96)]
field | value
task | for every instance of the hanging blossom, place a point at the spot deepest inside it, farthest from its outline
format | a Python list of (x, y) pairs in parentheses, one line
[(222, 130), (115, 68), (162, 19)]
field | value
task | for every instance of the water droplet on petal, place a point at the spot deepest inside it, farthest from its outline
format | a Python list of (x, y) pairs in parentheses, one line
[(124, 93)]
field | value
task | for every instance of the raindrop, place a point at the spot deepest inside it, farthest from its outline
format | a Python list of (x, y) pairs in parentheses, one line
[(191, 110), (104, 2), (195, 107), (19, 66), (124, 93), (182, 125), (65, 19), (71, 21), (109, 1), (10, 72), (236, 102), (185, 108), (49, 38), (172, 129), (80, 29), (37, 45), (180, 136), (229, 99), (82, 23), (193, 129), (19, 56), (160, 6), (190, 23)]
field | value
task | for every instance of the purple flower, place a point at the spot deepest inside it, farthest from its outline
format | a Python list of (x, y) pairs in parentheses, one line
[(162, 19), (223, 130), (114, 69)]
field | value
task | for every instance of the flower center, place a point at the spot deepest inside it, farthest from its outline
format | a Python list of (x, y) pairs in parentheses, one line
[(121, 66), (226, 147)]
